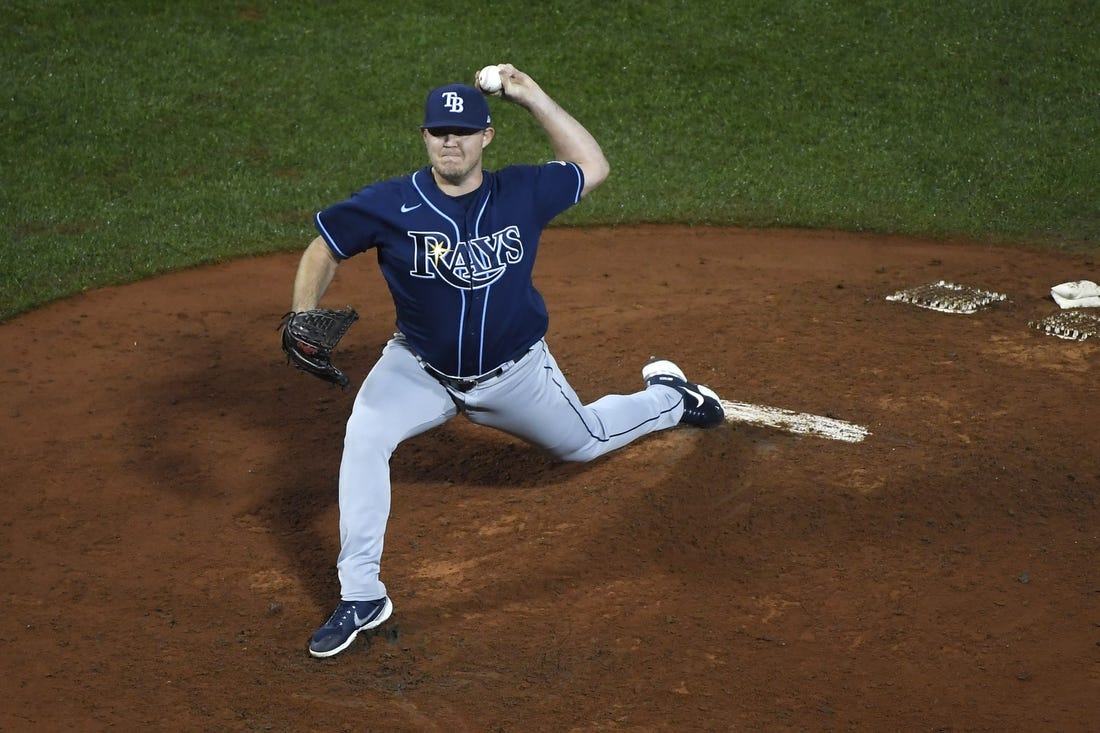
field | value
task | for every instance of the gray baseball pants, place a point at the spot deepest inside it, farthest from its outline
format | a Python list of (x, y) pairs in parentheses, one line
[(530, 400)]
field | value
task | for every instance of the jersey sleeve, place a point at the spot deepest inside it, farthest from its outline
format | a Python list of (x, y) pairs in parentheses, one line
[(351, 226), (556, 186)]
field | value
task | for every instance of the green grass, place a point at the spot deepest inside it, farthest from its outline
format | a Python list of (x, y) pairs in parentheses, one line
[(142, 137)]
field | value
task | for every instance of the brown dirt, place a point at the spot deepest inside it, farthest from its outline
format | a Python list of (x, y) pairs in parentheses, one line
[(169, 508)]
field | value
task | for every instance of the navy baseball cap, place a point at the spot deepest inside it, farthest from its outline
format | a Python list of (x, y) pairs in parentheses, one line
[(457, 105)]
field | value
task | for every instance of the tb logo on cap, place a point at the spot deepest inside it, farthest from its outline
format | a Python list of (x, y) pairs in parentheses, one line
[(452, 101)]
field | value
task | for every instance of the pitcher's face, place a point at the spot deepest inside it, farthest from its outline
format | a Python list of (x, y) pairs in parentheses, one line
[(455, 152)]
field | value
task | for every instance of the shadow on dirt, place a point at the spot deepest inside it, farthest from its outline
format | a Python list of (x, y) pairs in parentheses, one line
[(258, 428)]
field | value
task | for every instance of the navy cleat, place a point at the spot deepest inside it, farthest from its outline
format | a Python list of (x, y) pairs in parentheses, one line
[(349, 618), (702, 408)]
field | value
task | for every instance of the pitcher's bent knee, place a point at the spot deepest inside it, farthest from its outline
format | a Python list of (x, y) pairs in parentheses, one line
[(589, 451)]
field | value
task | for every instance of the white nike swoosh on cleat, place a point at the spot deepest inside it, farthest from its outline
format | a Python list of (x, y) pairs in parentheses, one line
[(406, 209), (696, 395)]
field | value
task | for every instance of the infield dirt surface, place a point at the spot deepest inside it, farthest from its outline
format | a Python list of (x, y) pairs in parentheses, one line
[(169, 521)]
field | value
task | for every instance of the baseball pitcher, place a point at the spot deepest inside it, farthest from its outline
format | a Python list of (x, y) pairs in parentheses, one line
[(456, 245)]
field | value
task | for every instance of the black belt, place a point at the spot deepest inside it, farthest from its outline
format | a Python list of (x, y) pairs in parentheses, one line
[(462, 384), (465, 384)]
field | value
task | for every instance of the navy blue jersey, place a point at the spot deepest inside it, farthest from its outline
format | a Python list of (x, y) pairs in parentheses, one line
[(459, 271)]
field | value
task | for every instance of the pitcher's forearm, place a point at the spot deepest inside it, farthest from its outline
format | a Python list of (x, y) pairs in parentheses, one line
[(569, 139), (315, 272)]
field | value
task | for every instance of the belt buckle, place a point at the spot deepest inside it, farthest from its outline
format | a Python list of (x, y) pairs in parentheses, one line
[(463, 385)]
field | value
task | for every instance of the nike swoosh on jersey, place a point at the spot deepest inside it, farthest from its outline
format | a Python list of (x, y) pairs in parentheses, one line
[(406, 209)]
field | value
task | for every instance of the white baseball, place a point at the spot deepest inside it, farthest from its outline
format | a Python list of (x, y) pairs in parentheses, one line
[(489, 80)]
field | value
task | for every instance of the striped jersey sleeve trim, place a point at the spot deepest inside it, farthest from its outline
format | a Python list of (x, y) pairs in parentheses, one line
[(328, 237)]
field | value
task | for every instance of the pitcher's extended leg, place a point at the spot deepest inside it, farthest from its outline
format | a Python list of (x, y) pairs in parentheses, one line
[(534, 402)]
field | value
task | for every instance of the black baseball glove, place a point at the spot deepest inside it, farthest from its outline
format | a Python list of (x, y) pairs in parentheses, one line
[(310, 337)]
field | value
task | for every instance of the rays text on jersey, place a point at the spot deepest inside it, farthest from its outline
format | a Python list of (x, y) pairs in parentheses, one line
[(477, 263)]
